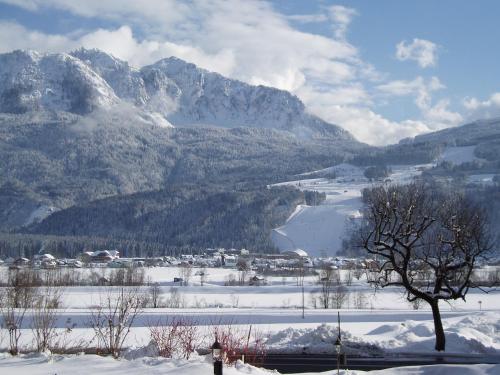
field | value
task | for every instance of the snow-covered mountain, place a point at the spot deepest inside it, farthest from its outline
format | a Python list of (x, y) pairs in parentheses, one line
[(182, 93), (31, 81)]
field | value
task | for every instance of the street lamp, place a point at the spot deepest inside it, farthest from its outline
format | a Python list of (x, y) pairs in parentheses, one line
[(217, 357), (338, 344), (338, 349)]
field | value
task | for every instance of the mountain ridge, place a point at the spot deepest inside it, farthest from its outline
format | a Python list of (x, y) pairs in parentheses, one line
[(83, 81)]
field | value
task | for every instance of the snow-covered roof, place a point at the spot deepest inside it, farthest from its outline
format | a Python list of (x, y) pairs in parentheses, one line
[(47, 256), (297, 252)]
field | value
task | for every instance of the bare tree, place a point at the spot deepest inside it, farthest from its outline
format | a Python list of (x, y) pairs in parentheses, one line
[(43, 322), (16, 299), (329, 280), (3, 328), (186, 272), (410, 228), (338, 296), (243, 270), (202, 274), (23, 285), (176, 299), (299, 273), (113, 318), (13, 315), (360, 300), (155, 295)]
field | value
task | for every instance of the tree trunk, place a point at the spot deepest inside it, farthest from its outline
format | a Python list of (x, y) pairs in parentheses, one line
[(438, 326)]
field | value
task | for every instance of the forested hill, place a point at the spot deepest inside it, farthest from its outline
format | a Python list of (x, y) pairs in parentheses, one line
[(86, 140), (182, 216)]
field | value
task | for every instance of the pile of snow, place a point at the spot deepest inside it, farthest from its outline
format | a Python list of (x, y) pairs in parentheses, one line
[(45, 363), (479, 335), (318, 340)]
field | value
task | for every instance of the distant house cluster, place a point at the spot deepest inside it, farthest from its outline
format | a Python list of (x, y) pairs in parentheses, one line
[(100, 256)]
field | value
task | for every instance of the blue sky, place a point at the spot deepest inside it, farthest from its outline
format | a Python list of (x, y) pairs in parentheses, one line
[(384, 70)]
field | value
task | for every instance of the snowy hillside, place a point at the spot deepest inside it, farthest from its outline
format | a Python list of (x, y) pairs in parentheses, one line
[(31, 81), (458, 155), (320, 229)]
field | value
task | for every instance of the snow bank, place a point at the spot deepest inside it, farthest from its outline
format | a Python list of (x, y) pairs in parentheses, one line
[(318, 340), (43, 364), (437, 370), (480, 335), (91, 364)]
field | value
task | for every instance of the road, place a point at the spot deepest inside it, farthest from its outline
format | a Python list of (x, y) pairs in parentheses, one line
[(296, 363)]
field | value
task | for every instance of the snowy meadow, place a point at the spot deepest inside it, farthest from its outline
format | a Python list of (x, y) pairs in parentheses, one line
[(372, 322)]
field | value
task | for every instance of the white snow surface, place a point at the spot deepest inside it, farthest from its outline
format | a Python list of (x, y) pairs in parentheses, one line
[(319, 229), (56, 81), (39, 214), (44, 364), (478, 335), (458, 155), (385, 323)]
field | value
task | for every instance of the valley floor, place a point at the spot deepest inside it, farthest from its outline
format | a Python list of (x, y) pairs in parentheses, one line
[(371, 323)]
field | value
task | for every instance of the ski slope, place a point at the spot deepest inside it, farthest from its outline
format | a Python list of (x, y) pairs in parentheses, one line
[(319, 229)]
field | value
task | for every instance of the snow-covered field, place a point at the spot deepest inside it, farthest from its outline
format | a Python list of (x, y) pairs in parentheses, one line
[(381, 318)]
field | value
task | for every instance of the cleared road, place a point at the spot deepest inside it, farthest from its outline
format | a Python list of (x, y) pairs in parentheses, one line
[(294, 363)]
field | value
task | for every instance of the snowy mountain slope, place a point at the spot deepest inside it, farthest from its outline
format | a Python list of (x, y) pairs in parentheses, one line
[(126, 81), (187, 95), (31, 81), (468, 134), (209, 98), (182, 93)]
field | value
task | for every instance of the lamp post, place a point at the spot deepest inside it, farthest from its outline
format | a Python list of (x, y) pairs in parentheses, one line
[(338, 344), (338, 348), (217, 357)]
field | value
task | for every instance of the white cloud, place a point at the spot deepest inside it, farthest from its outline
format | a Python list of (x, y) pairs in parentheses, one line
[(477, 109), (158, 14), (437, 116), (249, 41), (246, 40), (15, 36), (424, 52), (368, 126), (308, 18), (341, 16), (402, 87)]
